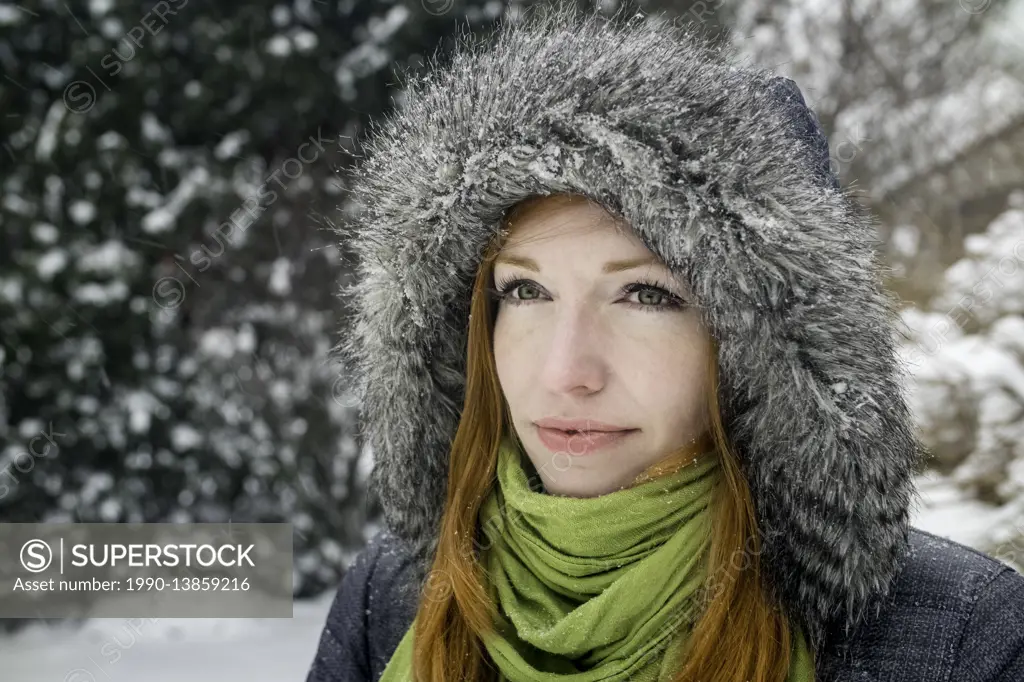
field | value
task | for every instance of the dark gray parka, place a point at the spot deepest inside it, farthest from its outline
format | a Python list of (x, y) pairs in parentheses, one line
[(724, 173), (954, 615)]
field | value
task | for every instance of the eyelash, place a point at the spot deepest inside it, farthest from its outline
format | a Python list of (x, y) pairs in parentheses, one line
[(504, 288)]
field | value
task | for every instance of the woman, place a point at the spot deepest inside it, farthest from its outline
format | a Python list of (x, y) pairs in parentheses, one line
[(630, 379)]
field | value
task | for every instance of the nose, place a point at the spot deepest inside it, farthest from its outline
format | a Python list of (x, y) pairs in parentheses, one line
[(574, 363)]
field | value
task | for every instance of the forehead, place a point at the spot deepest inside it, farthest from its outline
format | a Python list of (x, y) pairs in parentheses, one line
[(552, 233), (537, 221)]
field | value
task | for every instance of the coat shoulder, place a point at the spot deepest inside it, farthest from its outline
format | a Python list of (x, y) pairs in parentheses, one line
[(370, 612), (392, 601), (954, 614)]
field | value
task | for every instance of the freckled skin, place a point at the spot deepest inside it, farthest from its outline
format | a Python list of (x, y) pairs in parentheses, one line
[(571, 346)]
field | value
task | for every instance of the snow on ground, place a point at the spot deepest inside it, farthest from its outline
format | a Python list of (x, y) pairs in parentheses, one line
[(168, 649)]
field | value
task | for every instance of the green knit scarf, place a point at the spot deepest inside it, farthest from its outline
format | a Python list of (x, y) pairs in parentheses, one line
[(600, 588)]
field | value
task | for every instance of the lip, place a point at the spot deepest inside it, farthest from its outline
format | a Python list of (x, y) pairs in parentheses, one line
[(585, 424), (582, 442)]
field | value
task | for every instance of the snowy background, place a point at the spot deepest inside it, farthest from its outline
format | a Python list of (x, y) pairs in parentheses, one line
[(168, 276)]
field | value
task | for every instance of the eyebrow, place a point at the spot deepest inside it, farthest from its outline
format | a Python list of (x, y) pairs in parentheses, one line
[(609, 267)]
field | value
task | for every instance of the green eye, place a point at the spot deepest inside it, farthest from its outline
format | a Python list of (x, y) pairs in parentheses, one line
[(657, 296), (652, 297), (525, 287), (504, 291)]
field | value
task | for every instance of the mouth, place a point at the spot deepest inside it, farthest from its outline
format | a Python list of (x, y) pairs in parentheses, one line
[(572, 432), (580, 425), (579, 442)]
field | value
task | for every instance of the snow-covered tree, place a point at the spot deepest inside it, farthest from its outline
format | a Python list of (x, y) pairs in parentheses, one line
[(167, 282), (923, 101), (965, 352)]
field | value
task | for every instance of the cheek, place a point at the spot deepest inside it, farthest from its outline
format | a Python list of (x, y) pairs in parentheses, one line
[(669, 374), (508, 353), (500, 344)]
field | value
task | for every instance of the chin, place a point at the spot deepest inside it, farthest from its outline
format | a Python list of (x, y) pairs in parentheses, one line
[(575, 487)]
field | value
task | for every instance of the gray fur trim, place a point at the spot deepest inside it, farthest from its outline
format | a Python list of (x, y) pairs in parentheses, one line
[(723, 172)]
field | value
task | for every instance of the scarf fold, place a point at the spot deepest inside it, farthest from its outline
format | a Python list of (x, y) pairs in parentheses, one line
[(599, 589)]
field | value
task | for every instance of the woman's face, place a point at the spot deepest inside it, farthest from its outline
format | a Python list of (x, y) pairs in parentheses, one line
[(593, 327)]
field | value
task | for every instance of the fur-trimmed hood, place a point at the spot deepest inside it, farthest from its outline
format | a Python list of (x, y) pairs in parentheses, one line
[(724, 173)]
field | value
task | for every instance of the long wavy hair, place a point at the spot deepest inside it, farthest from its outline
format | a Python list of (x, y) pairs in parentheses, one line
[(741, 633)]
